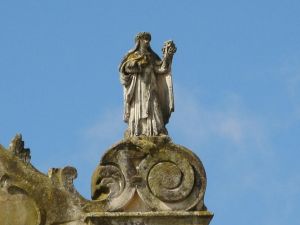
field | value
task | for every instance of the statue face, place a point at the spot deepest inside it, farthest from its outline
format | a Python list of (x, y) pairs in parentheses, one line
[(144, 43)]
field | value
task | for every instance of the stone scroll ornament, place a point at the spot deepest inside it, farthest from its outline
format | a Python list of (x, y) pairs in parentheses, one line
[(165, 176)]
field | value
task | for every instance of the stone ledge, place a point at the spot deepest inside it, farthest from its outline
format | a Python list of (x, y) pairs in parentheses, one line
[(149, 218)]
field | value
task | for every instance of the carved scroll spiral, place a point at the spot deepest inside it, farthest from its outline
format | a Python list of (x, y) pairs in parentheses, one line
[(175, 180), (107, 182), (113, 179), (170, 182)]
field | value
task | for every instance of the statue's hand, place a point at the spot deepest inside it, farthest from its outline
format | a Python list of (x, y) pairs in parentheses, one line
[(169, 48)]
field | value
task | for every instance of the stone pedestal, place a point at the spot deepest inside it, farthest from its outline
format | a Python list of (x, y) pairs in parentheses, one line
[(149, 174), (150, 181)]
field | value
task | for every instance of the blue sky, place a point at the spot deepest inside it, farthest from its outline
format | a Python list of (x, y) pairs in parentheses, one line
[(237, 91)]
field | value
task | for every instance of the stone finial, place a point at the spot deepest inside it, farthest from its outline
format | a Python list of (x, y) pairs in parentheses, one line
[(16, 147)]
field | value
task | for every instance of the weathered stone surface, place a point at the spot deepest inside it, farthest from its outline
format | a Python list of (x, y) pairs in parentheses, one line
[(17, 207), (29, 197), (149, 218), (139, 175), (17, 148), (153, 171)]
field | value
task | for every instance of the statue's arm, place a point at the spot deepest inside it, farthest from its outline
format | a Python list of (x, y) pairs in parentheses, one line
[(164, 66), (169, 50)]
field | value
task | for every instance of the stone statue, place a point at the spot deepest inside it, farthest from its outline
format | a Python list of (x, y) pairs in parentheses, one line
[(148, 88)]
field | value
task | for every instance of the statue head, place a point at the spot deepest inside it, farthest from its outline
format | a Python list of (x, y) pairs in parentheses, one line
[(142, 35), (142, 39)]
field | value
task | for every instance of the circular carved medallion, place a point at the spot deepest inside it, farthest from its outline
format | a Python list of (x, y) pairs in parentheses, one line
[(175, 180)]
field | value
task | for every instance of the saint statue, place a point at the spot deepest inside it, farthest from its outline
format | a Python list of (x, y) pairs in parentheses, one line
[(148, 88)]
